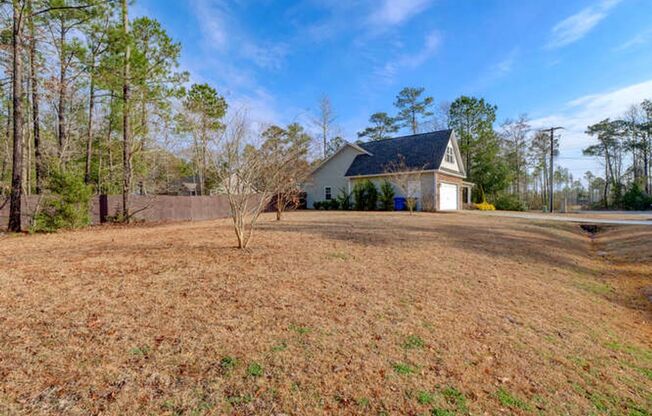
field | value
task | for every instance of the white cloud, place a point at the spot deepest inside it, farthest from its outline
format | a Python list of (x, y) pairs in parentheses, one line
[(268, 56), (575, 27), (505, 66), (212, 18), (495, 72), (221, 33), (577, 114), (431, 45), (395, 12), (638, 40)]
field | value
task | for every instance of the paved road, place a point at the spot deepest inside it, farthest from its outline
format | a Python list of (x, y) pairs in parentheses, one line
[(553, 217)]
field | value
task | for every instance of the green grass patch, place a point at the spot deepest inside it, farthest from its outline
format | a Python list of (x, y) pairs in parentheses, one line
[(404, 369), (413, 342), (363, 402), (507, 399), (425, 397), (281, 346), (254, 369), (140, 351), (301, 330), (456, 398), (636, 352), (339, 255), (228, 363), (597, 288), (646, 372), (240, 399), (638, 412), (203, 408), (599, 401), (442, 412)]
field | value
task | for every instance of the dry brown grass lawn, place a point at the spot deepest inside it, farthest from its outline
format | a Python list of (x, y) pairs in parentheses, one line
[(328, 313)]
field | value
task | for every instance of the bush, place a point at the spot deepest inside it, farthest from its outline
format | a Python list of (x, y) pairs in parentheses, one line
[(635, 199), (387, 196), (344, 200), (365, 195), (68, 206), (485, 206), (371, 196), (358, 196), (509, 203), (331, 204)]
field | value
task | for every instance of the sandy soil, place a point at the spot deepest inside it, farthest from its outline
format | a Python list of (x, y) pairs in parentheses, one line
[(328, 313)]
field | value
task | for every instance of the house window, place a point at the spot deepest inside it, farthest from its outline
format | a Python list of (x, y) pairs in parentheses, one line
[(449, 155), (327, 193)]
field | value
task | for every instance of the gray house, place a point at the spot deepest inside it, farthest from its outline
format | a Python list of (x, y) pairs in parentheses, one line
[(432, 161)]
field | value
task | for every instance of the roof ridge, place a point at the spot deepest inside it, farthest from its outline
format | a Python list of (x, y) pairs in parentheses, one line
[(409, 136)]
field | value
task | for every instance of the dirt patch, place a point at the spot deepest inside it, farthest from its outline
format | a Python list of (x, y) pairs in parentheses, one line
[(591, 229), (328, 313)]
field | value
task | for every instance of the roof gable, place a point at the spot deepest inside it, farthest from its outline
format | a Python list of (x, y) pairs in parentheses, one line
[(420, 152), (346, 145)]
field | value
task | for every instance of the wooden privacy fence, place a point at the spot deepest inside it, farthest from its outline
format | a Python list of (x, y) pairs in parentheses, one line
[(145, 208)]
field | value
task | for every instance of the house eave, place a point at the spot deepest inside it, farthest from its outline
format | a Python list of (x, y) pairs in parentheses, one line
[(381, 174), (450, 173)]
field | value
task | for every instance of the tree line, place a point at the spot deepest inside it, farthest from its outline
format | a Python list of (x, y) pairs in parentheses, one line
[(96, 100), (623, 147), (510, 163)]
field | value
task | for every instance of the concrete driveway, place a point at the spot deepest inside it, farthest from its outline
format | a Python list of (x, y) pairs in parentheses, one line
[(592, 217)]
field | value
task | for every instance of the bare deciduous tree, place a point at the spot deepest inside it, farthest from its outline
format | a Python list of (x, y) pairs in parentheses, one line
[(324, 121), (407, 179), (240, 168), (289, 171)]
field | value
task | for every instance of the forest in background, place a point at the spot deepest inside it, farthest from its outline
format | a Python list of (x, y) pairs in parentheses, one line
[(95, 102)]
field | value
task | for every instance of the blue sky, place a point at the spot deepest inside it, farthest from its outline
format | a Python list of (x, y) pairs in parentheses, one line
[(562, 62)]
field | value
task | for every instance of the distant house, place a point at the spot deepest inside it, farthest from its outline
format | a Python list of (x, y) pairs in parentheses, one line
[(432, 159)]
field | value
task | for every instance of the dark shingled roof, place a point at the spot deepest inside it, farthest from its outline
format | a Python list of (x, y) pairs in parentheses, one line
[(421, 152)]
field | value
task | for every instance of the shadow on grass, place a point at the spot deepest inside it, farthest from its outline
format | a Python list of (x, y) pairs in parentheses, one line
[(529, 242)]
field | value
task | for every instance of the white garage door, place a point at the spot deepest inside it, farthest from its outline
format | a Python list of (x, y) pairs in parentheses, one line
[(448, 197)]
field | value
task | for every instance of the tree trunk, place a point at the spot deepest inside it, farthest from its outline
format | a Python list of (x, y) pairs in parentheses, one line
[(6, 153), (605, 196), (36, 120), (126, 133), (324, 134), (17, 93), (61, 113), (646, 164), (279, 206), (89, 136)]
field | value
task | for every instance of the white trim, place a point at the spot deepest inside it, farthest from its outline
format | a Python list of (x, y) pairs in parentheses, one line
[(449, 156), (457, 195), (345, 145), (380, 175), (460, 163), (451, 173), (436, 196)]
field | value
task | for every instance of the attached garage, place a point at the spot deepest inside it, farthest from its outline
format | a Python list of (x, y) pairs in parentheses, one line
[(448, 197)]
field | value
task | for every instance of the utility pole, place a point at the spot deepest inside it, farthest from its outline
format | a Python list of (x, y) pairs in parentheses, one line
[(551, 197)]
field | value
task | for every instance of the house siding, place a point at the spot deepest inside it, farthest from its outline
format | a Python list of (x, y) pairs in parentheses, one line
[(330, 174), (427, 179)]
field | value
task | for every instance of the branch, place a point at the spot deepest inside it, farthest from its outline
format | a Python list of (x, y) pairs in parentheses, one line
[(51, 9)]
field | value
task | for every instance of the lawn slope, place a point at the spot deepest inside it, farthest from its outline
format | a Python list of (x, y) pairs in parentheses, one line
[(328, 313)]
